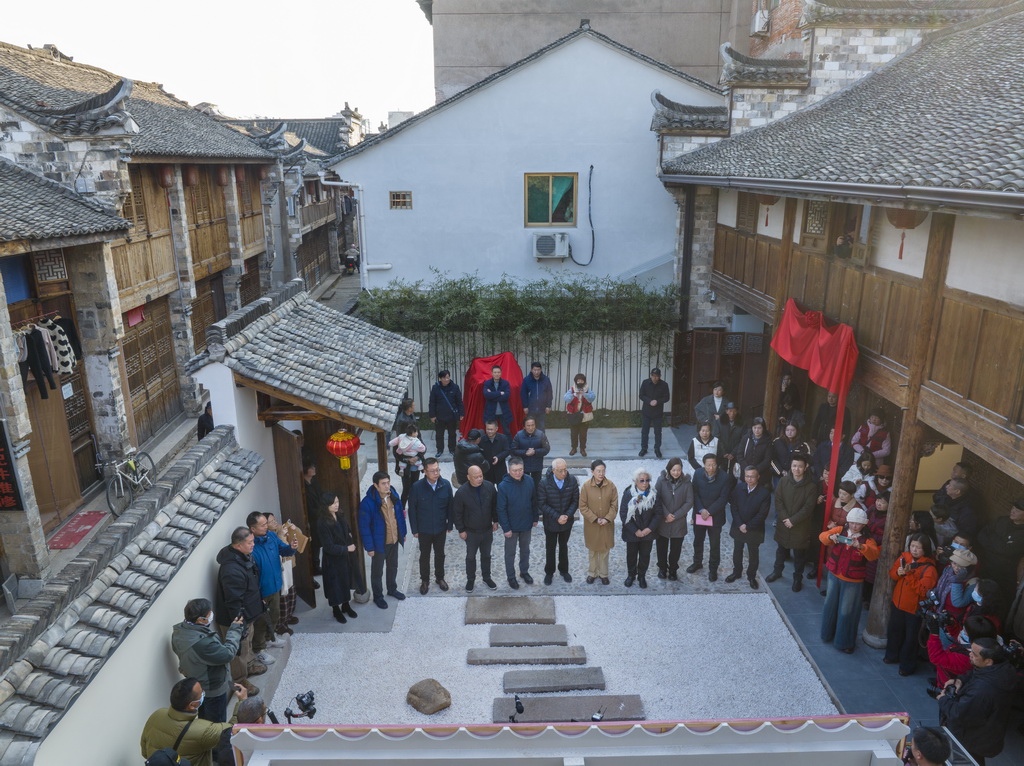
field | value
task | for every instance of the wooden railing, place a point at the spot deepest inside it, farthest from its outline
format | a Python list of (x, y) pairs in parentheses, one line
[(252, 230), (317, 212), (144, 266), (210, 251)]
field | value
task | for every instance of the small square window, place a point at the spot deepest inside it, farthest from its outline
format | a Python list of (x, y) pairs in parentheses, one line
[(401, 200), (550, 199)]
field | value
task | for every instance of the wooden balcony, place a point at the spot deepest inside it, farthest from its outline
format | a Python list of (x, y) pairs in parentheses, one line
[(210, 252), (317, 214), (144, 267), (253, 234)]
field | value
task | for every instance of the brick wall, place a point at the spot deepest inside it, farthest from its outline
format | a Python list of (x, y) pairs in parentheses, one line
[(784, 33)]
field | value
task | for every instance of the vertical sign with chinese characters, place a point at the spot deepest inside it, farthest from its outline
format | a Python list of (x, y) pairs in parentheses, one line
[(10, 490)]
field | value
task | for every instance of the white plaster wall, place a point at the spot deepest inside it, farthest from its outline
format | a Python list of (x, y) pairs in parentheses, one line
[(799, 225), (728, 205), (987, 258), (105, 723), (887, 246), (746, 323), (583, 104), (774, 215), (237, 407)]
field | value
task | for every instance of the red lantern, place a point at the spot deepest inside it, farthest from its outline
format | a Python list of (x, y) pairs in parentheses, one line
[(240, 174), (165, 176), (342, 445), (904, 219), (223, 175)]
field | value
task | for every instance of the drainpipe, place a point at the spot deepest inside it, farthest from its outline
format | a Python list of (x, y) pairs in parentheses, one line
[(684, 287), (364, 264)]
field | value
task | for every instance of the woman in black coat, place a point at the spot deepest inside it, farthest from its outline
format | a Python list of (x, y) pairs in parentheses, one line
[(639, 516), (337, 542)]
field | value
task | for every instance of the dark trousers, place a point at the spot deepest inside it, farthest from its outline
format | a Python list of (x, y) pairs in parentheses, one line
[(538, 418), (753, 547), (442, 427), (646, 421), (478, 541), (378, 561), (799, 561), (536, 476), (433, 542), (561, 539), (214, 709), (669, 549), (715, 556), (408, 479), (519, 540), (638, 557), (901, 639), (578, 436), (505, 419)]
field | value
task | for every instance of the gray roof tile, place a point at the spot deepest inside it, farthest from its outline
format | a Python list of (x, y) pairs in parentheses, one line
[(894, 13), (948, 113), (322, 135)]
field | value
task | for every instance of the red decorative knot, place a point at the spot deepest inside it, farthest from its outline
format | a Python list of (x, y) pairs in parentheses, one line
[(342, 445)]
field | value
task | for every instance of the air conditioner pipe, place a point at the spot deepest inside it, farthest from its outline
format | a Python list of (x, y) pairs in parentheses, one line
[(364, 265)]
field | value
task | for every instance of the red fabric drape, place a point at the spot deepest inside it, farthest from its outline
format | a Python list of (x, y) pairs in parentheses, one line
[(829, 353), (473, 390)]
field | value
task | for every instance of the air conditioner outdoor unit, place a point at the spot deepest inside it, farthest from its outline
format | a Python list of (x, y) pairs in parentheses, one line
[(551, 245), (760, 23)]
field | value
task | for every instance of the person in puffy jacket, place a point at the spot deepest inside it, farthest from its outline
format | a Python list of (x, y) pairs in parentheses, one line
[(475, 515), (267, 552), (639, 514), (914, 573), (849, 549), (517, 515), (238, 593), (675, 500), (469, 452), (382, 530), (558, 497), (531, 445), (205, 656)]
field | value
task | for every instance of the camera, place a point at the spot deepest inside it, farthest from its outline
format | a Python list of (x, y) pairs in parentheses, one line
[(306, 703), (935, 617)]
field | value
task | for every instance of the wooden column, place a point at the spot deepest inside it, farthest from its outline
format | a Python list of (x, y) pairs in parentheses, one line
[(774, 373), (382, 451), (908, 451)]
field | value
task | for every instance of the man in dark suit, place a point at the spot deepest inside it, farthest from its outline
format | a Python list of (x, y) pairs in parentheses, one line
[(750, 502)]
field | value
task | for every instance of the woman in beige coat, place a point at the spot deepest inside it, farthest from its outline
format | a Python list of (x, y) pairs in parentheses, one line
[(599, 500)]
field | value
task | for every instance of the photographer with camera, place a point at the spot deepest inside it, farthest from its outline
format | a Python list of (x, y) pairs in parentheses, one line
[(954, 589), (849, 550), (929, 747), (976, 706), (952, 662), (915, 574)]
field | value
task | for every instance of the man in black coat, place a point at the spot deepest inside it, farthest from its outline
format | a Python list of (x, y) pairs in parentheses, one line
[(976, 706), (467, 453), (825, 420), (655, 395), (558, 496), (238, 593), (1002, 547), (475, 515), (430, 519), (750, 503), (496, 449), (710, 494), (445, 410)]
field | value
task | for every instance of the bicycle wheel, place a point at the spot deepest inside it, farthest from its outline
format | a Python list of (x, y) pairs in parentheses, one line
[(145, 471), (119, 494)]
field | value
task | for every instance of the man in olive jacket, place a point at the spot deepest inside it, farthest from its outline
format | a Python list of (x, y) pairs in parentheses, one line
[(164, 725), (795, 498), (202, 654)]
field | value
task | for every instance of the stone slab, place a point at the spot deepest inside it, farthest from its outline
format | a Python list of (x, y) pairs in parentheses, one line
[(529, 635), (509, 610), (553, 709), (528, 655), (553, 680)]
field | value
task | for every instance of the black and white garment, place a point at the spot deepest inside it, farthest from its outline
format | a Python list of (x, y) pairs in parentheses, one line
[(65, 355)]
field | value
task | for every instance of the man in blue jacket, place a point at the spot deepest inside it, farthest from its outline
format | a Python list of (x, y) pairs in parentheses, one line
[(382, 528), (445, 410), (430, 518), (531, 445), (710, 494), (497, 400), (267, 552), (536, 394), (517, 515)]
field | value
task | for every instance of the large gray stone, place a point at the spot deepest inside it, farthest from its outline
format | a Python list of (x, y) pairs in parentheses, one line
[(612, 707), (553, 680), (506, 610), (529, 635), (528, 655), (428, 696)]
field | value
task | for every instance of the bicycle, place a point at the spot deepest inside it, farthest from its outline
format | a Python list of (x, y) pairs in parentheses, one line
[(132, 475)]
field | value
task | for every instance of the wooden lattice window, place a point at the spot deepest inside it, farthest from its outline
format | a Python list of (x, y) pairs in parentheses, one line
[(401, 200), (134, 208), (245, 206), (747, 210), (815, 217), (200, 196)]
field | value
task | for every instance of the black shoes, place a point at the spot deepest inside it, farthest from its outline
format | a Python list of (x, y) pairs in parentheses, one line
[(605, 581), (733, 577), (424, 587), (347, 609), (753, 583), (798, 586), (338, 615), (657, 452), (490, 583), (694, 567), (441, 583), (397, 595), (548, 579), (713, 575), (642, 580), (662, 573), (513, 583), (469, 586), (590, 580), (629, 581), (526, 578), (773, 577), (566, 576), (642, 452), (380, 602), (673, 576)]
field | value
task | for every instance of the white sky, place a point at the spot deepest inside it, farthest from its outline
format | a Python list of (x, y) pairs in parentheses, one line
[(241, 55)]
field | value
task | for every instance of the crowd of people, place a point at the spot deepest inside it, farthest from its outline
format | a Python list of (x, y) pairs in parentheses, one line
[(951, 584)]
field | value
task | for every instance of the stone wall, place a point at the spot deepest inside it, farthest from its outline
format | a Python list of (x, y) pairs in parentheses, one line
[(673, 146), (702, 313), (784, 32)]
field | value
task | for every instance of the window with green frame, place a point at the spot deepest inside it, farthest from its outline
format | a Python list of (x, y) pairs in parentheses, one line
[(550, 199)]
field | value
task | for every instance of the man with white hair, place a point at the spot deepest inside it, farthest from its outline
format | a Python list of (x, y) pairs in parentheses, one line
[(558, 496)]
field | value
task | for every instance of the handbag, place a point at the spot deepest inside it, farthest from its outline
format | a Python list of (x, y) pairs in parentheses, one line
[(588, 416)]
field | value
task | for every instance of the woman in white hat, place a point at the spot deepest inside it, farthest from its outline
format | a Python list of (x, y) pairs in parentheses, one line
[(848, 550)]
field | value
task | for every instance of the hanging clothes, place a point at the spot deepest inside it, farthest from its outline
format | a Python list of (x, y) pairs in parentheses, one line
[(62, 346), (68, 326), (38, 361)]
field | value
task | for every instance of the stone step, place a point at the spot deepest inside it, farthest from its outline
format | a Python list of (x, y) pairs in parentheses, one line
[(528, 655), (508, 610), (529, 635), (553, 680), (552, 709)]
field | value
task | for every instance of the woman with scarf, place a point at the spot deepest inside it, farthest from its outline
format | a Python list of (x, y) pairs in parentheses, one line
[(639, 523), (848, 551)]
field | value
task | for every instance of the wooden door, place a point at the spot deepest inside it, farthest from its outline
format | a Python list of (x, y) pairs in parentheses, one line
[(50, 459), (292, 496)]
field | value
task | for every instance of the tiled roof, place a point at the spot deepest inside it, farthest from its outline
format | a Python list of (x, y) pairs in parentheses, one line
[(948, 113), (315, 354), (739, 69), (54, 646), (34, 207), (324, 135), (671, 116), (373, 140), (40, 86), (898, 13)]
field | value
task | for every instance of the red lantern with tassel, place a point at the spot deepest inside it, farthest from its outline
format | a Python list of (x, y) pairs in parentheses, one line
[(343, 445), (767, 200), (904, 219)]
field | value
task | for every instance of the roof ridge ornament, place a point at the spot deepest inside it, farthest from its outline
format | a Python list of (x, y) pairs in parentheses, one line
[(742, 70), (103, 112)]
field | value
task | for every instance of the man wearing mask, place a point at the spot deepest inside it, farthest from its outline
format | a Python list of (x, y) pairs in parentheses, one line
[(178, 727), (203, 654)]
